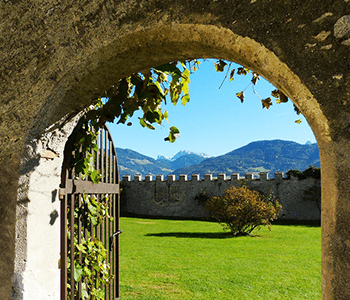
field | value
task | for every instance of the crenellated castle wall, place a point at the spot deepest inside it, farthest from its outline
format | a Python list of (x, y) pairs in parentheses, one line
[(301, 199)]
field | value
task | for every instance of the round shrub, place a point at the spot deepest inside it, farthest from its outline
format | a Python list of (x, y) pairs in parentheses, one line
[(242, 210)]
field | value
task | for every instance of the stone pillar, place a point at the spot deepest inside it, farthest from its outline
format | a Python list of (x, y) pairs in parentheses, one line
[(195, 177), (208, 177), (182, 178), (126, 178), (335, 219), (279, 176), (249, 176), (170, 178), (264, 176), (235, 177), (221, 177), (159, 178), (137, 178)]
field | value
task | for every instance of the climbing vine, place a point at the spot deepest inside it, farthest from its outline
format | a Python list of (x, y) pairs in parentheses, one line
[(85, 146), (277, 94), (91, 270)]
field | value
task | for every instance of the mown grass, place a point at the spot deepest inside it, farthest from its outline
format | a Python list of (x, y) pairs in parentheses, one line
[(170, 259)]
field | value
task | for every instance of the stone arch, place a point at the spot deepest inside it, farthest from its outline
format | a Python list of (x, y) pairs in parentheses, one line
[(187, 41), (66, 51), (162, 44)]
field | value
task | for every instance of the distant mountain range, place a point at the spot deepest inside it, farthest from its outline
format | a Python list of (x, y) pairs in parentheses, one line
[(131, 162), (260, 156), (256, 157)]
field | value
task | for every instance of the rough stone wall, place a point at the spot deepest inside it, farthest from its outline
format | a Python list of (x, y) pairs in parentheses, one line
[(169, 198), (56, 56)]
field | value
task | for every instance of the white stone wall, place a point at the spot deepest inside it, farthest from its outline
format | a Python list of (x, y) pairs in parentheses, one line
[(176, 198), (37, 273)]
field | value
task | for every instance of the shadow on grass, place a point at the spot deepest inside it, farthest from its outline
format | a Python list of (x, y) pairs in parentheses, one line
[(307, 223), (196, 235)]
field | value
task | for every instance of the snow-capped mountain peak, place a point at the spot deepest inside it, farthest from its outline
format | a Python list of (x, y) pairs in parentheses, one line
[(162, 157), (182, 153)]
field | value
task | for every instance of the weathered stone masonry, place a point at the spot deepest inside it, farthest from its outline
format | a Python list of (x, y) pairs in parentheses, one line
[(58, 56), (177, 198)]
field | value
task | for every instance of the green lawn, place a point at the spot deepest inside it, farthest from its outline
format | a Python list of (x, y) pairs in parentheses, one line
[(167, 259)]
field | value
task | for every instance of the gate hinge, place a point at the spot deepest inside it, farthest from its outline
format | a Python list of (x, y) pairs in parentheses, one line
[(61, 193)]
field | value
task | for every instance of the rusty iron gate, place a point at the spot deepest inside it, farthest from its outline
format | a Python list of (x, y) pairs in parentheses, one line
[(72, 193)]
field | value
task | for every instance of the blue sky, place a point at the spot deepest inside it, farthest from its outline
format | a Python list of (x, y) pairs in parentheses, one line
[(215, 121)]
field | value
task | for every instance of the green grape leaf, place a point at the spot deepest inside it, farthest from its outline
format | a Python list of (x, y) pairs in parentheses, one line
[(220, 65), (255, 78), (95, 147), (169, 68), (275, 93), (266, 103), (173, 135), (283, 97), (165, 115), (186, 76), (232, 74), (174, 129), (242, 71), (240, 95), (185, 99), (78, 271), (144, 123), (95, 176)]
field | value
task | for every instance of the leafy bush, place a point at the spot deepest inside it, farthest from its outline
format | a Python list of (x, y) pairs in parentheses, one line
[(312, 172), (242, 210)]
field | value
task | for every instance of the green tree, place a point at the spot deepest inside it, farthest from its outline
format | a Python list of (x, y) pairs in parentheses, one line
[(242, 210)]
